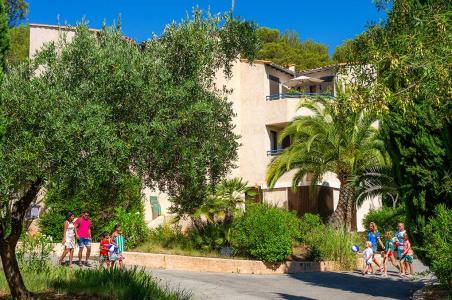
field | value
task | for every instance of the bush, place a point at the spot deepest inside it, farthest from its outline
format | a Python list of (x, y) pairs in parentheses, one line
[(133, 227), (33, 252), (386, 218), (101, 199), (309, 223), (330, 244), (170, 237), (266, 233), (211, 237), (438, 244)]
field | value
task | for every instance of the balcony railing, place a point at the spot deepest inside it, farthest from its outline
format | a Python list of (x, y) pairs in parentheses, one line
[(274, 152), (296, 95)]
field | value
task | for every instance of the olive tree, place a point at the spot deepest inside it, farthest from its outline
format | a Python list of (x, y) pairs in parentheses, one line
[(99, 105)]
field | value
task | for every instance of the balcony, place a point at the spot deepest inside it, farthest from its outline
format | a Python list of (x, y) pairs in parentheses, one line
[(296, 95), (274, 152)]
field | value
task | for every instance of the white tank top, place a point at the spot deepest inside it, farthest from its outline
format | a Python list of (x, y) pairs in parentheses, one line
[(70, 230)]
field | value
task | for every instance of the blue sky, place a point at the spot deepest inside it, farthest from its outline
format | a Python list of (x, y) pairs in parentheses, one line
[(328, 21)]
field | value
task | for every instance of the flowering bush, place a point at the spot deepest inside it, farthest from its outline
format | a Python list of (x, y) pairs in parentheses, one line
[(34, 251)]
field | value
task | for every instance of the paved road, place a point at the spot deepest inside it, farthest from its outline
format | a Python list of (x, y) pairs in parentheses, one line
[(330, 286)]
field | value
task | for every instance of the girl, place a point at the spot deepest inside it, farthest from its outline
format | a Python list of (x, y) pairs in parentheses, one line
[(117, 239), (407, 256), (373, 237), (69, 235), (389, 253), (368, 255)]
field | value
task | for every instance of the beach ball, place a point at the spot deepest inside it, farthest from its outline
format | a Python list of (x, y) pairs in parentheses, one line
[(111, 248), (355, 248)]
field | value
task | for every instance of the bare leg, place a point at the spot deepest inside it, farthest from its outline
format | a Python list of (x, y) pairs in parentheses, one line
[(376, 262), (88, 252), (63, 255), (71, 255), (394, 263), (385, 265), (407, 268), (80, 253), (402, 267), (411, 269)]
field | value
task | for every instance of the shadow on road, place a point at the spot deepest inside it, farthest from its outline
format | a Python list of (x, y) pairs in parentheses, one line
[(292, 297), (370, 285)]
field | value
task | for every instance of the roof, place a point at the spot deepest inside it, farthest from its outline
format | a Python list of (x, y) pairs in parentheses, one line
[(72, 28), (273, 65), (320, 69)]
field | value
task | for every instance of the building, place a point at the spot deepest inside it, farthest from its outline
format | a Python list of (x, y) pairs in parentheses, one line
[(264, 105)]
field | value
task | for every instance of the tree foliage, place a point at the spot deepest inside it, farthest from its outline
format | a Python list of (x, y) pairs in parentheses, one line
[(410, 82), (99, 106), (20, 45), (17, 10), (287, 48), (344, 52), (332, 139), (4, 37)]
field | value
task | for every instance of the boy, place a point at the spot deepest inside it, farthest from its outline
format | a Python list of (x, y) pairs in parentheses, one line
[(103, 247), (389, 253), (407, 256), (367, 256)]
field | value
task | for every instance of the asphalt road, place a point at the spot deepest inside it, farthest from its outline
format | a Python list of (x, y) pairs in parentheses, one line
[(327, 285)]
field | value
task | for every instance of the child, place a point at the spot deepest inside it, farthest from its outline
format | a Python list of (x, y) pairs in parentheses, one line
[(118, 241), (103, 247), (407, 256), (368, 258), (389, 252)]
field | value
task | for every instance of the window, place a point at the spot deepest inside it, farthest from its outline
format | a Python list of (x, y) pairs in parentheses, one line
[(285, 142), (155, 205), (274, 84), (274, 140)]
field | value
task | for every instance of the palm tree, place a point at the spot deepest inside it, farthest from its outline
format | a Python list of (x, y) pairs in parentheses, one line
[(332, 139), (226, 201), (376, 181)]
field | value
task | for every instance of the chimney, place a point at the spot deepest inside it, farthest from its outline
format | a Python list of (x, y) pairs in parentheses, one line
[(291, 67)]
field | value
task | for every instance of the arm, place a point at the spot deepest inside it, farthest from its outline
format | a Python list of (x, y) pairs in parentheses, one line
[(406, 248), (76, 224), (64, 232)]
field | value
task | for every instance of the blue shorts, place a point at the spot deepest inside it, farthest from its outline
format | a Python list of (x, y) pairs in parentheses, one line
[(399, 253), (84, 242), (374, 248)]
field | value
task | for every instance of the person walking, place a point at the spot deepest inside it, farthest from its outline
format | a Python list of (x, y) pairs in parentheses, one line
[(373, 236), (117, 240), (400, 236), (68, 242), (83, 229)]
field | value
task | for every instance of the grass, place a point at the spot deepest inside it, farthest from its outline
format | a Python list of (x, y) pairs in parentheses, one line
[(153, 247), (94, 284)]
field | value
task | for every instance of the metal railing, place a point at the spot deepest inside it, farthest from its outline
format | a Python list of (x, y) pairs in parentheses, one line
[(274, 152), (296, 95)]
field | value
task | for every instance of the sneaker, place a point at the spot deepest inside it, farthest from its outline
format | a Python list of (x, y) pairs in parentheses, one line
[(402, 275), (87, 264), (385, 275), (380, 270)]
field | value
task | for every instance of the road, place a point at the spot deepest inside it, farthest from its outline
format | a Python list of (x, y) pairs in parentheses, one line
[(327, 285)]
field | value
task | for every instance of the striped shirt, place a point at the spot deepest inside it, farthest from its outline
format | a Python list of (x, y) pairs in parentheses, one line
[(119, 240)]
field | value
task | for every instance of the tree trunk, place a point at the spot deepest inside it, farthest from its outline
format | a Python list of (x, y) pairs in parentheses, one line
[(12, 272), (9, 241), (340, 216)]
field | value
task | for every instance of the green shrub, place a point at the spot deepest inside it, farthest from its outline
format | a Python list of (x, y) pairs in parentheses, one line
[(330, 244), (438, 245), (211, 237), (100, 198), (385, 218), (132, 224), (308, 223), (170, 237), (33, 252), (266, 233)]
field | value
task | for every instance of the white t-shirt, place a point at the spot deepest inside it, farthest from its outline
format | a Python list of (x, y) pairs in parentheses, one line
[(367, 255)]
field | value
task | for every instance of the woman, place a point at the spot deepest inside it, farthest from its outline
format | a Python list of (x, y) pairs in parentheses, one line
[(68, 238), (373, 236)]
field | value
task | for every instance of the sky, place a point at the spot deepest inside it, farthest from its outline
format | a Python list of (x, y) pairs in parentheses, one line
[(329, 22)]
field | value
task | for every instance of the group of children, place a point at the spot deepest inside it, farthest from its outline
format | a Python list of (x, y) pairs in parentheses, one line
[(111, 248), (404, 251)]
